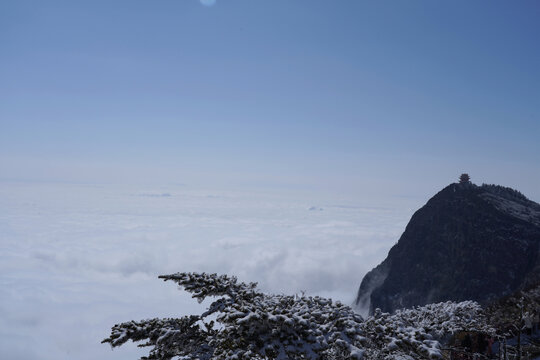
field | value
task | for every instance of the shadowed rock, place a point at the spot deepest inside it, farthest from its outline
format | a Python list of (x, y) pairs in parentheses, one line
[(467, 243)]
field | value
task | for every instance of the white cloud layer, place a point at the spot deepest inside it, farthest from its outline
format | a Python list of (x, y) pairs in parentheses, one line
[(76, 259)]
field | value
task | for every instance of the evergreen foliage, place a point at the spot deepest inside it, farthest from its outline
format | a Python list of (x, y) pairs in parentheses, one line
[(254, 325)]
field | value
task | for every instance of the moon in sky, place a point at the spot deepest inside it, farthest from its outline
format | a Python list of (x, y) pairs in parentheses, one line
[(208, 2)]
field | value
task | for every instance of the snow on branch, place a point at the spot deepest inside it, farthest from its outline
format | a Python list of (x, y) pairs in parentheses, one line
[(419, 330), (254, 325), (202, 285)]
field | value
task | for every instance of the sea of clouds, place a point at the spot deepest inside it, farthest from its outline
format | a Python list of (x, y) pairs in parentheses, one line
[(76, 259)]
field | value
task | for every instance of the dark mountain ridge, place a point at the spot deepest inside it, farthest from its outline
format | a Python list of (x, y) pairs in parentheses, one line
[(468, 242)]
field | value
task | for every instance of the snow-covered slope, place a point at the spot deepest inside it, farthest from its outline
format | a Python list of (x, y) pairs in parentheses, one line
[(512, 202)]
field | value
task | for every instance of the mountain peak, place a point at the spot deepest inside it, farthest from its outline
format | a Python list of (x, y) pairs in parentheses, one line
[(468, 242)]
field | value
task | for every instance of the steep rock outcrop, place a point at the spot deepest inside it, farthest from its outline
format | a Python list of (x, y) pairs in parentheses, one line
[(467, 243)]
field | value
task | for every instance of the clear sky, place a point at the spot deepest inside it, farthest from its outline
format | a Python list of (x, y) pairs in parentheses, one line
[(333, 94)]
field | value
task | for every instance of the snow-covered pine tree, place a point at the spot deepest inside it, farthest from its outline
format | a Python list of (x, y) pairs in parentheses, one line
[(254, 325)]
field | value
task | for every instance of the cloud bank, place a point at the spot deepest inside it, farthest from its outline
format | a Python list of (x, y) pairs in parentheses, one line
[(76, 259)]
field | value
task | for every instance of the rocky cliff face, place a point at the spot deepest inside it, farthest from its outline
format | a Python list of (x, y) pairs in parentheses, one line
[(467, 243)]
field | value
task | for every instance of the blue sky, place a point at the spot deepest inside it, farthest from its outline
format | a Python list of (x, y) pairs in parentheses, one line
[(320, 94)]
